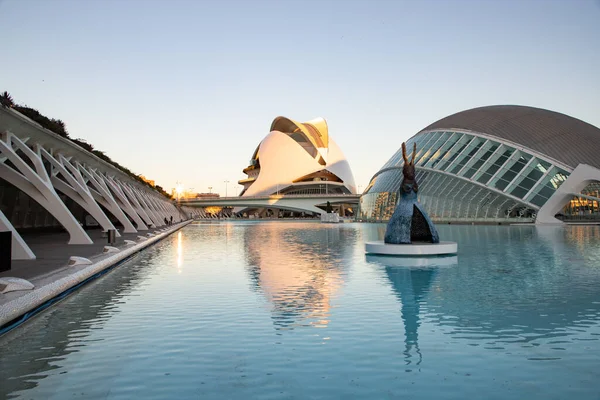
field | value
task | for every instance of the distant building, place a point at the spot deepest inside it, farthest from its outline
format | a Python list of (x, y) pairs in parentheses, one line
[(297, 158), (497, 164)]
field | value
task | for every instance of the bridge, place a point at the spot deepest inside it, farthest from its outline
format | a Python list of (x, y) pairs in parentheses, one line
[(295, 202), (67, 184)]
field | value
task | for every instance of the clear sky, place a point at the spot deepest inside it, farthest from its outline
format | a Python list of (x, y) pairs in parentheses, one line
[(184, 90)]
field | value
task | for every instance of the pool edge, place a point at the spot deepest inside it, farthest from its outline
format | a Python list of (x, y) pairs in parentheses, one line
[(15, 312)]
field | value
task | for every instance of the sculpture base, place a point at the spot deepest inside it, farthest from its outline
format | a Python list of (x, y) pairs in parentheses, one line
[(412, 261), (413, 249)]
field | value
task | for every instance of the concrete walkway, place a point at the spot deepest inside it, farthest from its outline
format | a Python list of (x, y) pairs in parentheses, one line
[(50, 272), (53, 252)]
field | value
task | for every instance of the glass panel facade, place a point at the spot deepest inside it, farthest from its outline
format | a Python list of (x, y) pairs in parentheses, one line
[(486, 152), (437, 156), (528, 178), (433, 148), (510, 170), (462, 159), (454, 151), (457, 173), (547, 186), (494, 165)]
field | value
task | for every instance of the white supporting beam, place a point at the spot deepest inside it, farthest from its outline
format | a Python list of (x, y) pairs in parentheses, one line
[(144, 203), (158, 207), (581, 176), (134, 201), (37, 185), (103, 196), (75, 188), (119, 196), (19, 249)]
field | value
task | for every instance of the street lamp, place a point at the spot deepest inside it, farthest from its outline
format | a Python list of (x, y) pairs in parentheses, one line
[(210, 189), (226, 182)]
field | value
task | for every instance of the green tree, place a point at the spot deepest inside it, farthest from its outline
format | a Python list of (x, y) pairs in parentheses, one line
[(6, 100)]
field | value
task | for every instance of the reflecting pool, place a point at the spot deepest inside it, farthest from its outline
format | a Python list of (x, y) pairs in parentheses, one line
[(296, 310)]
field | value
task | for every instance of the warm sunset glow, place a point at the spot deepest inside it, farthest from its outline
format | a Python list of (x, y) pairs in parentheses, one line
[(179, 252)]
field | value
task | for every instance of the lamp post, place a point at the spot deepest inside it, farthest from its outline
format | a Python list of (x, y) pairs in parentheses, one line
[(226, 182), (210, 189)]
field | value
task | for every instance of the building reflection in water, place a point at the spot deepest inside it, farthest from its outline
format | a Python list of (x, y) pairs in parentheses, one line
[(299, 271), (411, 278), (61, 330), (511, 285)]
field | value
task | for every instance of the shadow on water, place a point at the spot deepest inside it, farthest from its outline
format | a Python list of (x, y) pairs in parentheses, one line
[(527, 285), (299, 271), (32, 351)]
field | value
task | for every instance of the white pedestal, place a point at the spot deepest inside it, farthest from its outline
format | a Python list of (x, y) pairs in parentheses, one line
[(413, 249), (412, 261)]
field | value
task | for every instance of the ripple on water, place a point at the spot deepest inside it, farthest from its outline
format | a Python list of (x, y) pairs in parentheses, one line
[(295, 310)]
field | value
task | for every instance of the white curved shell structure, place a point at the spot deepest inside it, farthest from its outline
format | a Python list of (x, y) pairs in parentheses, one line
[(298, 158)]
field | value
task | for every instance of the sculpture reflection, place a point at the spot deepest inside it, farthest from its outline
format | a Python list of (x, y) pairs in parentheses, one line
[(512, 285), (411, 278), (298, 270)]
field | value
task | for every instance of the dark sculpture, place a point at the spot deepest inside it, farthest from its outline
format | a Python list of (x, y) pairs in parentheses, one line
[(410, 223)]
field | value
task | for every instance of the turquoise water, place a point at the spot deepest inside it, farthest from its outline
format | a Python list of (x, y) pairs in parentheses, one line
[(290, 310)]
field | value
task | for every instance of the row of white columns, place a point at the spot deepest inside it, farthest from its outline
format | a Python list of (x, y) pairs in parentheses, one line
[(88, 187)]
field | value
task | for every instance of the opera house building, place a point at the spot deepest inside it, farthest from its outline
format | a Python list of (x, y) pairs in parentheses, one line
[(298, 158), (497, 164)]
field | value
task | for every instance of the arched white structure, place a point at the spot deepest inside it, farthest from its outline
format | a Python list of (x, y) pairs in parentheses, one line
[(39, 162), (498, 164), (298, 158)]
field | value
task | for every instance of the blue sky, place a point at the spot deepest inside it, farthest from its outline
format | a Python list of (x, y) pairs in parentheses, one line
[(184, 90)]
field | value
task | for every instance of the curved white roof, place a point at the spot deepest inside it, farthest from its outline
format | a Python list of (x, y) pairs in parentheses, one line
[(285, 157)]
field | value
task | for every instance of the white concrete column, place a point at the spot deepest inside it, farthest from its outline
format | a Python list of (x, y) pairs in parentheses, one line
[(143, 201), (19, 249), (134, 201), (161, 205), (38, 186), (119, 196), (76, 188), (157, 206), (113, 182), (102, 195), (581, 176)]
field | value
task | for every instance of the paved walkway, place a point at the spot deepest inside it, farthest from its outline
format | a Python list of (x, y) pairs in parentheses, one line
[(53, 252)]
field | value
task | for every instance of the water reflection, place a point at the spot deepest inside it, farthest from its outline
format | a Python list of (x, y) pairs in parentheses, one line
[(531, 286), (179, 251), (411, 279), (298, 270), (34, 350)]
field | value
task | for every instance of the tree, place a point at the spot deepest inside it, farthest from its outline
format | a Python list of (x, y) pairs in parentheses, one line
[(6, 100)]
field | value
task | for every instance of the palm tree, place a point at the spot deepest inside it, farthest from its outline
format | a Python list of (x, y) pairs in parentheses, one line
[(6, 100)]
